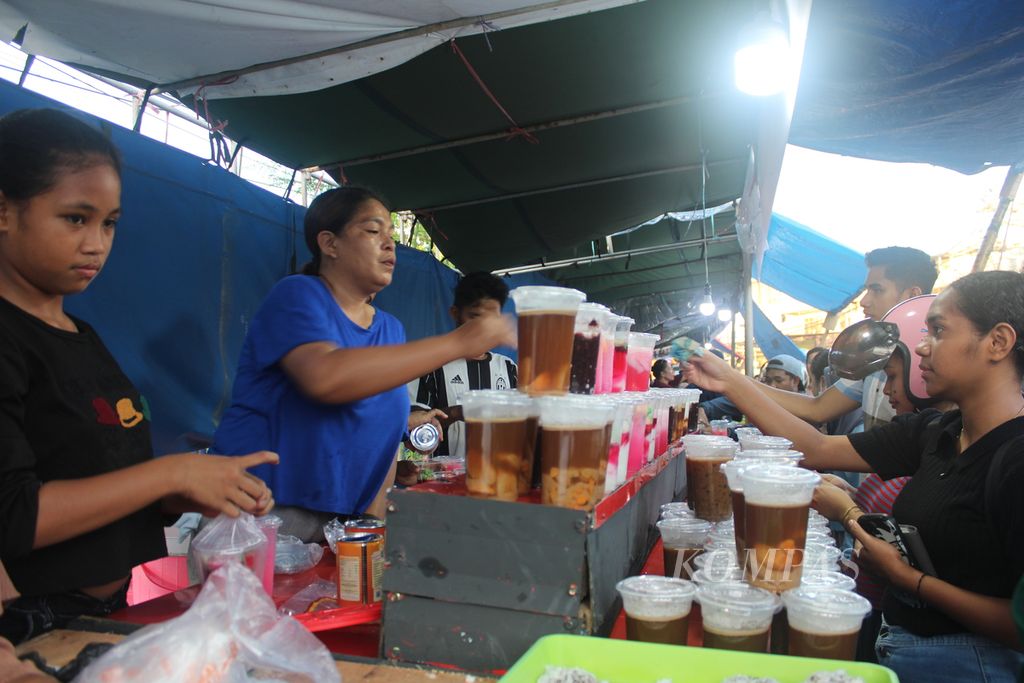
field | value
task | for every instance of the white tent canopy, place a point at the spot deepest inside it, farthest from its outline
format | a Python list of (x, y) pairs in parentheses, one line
[(259, 47)]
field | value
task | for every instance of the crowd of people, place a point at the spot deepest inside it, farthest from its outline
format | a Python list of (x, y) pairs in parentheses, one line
[(327, 383)]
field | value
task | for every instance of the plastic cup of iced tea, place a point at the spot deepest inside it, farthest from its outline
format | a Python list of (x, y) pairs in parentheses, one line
[(657, 608), (496, 442), (546, 320)]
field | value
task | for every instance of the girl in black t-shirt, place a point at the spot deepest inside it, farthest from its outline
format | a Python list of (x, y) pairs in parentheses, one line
[(81, 495), (965, 495)]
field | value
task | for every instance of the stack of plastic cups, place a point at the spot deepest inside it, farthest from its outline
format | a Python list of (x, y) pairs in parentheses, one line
[(606, 356), (763, 442), (657, 608), (586, 348), (708, 490), (722, 537), (736, 616), (824, 622), (682, 540), (675, 511), (732, 470), (639, 355), (622, 326)]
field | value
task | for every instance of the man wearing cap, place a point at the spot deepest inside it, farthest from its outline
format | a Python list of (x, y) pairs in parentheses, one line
[(785, 373)]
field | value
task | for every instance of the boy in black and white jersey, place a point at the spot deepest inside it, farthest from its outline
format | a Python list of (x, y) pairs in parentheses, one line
[(476, 294)]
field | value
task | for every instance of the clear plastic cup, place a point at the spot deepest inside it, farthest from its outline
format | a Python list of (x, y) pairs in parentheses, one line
[(761, 453), (776, 501), (746, 431), (692, 411), (736, 616), (637, 434), (675, 510), (639, 355), (546, 319), (606, 355), (657, 608), (682, 540), (824, 622), (707, 487), (496, 442), (622, 327), (764, 442), (719, 427), (575, 433), (586, 347), (821, 557), (269, 524), (827, 579), (732, 471)]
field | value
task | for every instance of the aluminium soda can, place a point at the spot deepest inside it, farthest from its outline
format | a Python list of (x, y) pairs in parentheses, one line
[(425, 438), (360, 560)]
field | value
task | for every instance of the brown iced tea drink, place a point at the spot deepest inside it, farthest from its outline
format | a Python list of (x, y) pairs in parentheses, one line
[(707, 486), (494, 457), (496, 440), (667, 631), (571, 471), (545, 352), (741, 641), (736, 616), (776, 501), (824, 622), (679, 561), (529, 452), (775, 538), (739, 518), (823, 645), (683, 541), (657, 608)]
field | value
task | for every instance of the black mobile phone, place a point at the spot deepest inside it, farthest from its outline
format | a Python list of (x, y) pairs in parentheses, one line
[(884, 527)]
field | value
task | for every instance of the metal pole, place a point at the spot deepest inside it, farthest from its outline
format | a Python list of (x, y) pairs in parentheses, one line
[(1006, 195), (748, 316), (29, 61), (733, 361), (142, 110)]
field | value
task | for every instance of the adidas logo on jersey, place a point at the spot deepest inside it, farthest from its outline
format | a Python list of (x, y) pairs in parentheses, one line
[(457, 379)]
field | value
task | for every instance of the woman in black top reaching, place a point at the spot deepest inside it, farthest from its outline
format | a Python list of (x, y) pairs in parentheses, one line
[(966, 493), (81, 495)]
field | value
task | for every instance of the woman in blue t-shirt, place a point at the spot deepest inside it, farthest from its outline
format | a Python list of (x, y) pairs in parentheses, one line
[(322, 373)]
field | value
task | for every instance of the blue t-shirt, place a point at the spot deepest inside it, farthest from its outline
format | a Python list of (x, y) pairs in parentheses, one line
[(334, 457)]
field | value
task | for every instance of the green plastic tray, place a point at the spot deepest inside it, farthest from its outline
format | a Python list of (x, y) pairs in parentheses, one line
[(623, 661)]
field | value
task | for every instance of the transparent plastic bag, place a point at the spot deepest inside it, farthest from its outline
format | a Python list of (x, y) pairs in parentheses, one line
[(231, 634), (304, 599), (230, 539), (293, 556), (333, 531)]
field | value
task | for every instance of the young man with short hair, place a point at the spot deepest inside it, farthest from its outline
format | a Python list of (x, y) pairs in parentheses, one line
[(895, 274), (476, 294), (785, 373)]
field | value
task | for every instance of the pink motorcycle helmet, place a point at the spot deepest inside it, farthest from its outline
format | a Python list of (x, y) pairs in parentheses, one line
[(866, 346)]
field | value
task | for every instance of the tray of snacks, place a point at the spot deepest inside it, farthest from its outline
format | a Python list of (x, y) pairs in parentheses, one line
[(582, 659)]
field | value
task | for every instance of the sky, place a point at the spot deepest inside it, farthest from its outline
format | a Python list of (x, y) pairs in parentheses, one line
[(867, 204)]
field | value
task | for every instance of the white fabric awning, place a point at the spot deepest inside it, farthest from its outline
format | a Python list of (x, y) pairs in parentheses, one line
[(282, 46)]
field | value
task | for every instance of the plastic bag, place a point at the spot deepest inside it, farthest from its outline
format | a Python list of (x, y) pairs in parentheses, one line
[(231, 634), (304, 599), (333, 531), (293, 556), (230, 539)]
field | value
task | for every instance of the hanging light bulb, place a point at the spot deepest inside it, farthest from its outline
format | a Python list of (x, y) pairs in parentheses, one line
[(724, 315), (707, 305), (764, 61), (707, 345)]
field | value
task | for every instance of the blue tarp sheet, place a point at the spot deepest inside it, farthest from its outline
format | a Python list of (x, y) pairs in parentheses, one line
[(770, 340), (810, 267), (196, 251), (915, 80)]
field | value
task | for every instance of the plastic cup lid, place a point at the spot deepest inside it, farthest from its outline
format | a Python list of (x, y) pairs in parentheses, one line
[(700, 446), (733, 468), (580, 412), (756, 453), (656, 597), (542, 298), (643, 340), (764, 441), (827, 579), (826, 602), (778, 485), (688, 532), (737, 598), (491, 404)]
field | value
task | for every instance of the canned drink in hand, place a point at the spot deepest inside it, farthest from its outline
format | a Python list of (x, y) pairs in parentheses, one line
[(425, 438)]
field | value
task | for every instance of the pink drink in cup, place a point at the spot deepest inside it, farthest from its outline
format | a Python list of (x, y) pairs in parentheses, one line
[(639, 356), (622, 326), (269, 525), (606, 357), (637, 439)]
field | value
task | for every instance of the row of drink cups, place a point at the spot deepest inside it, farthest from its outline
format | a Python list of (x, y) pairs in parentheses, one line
[(582, 447), (569, 345)]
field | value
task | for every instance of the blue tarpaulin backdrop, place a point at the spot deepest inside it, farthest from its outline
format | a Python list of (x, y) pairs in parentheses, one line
[(196, 251)]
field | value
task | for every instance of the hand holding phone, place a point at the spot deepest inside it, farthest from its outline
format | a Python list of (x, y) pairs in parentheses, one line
[(911, 548)]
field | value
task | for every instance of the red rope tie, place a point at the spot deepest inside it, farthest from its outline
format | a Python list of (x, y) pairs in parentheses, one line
[(516, 130), (430, 216)]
